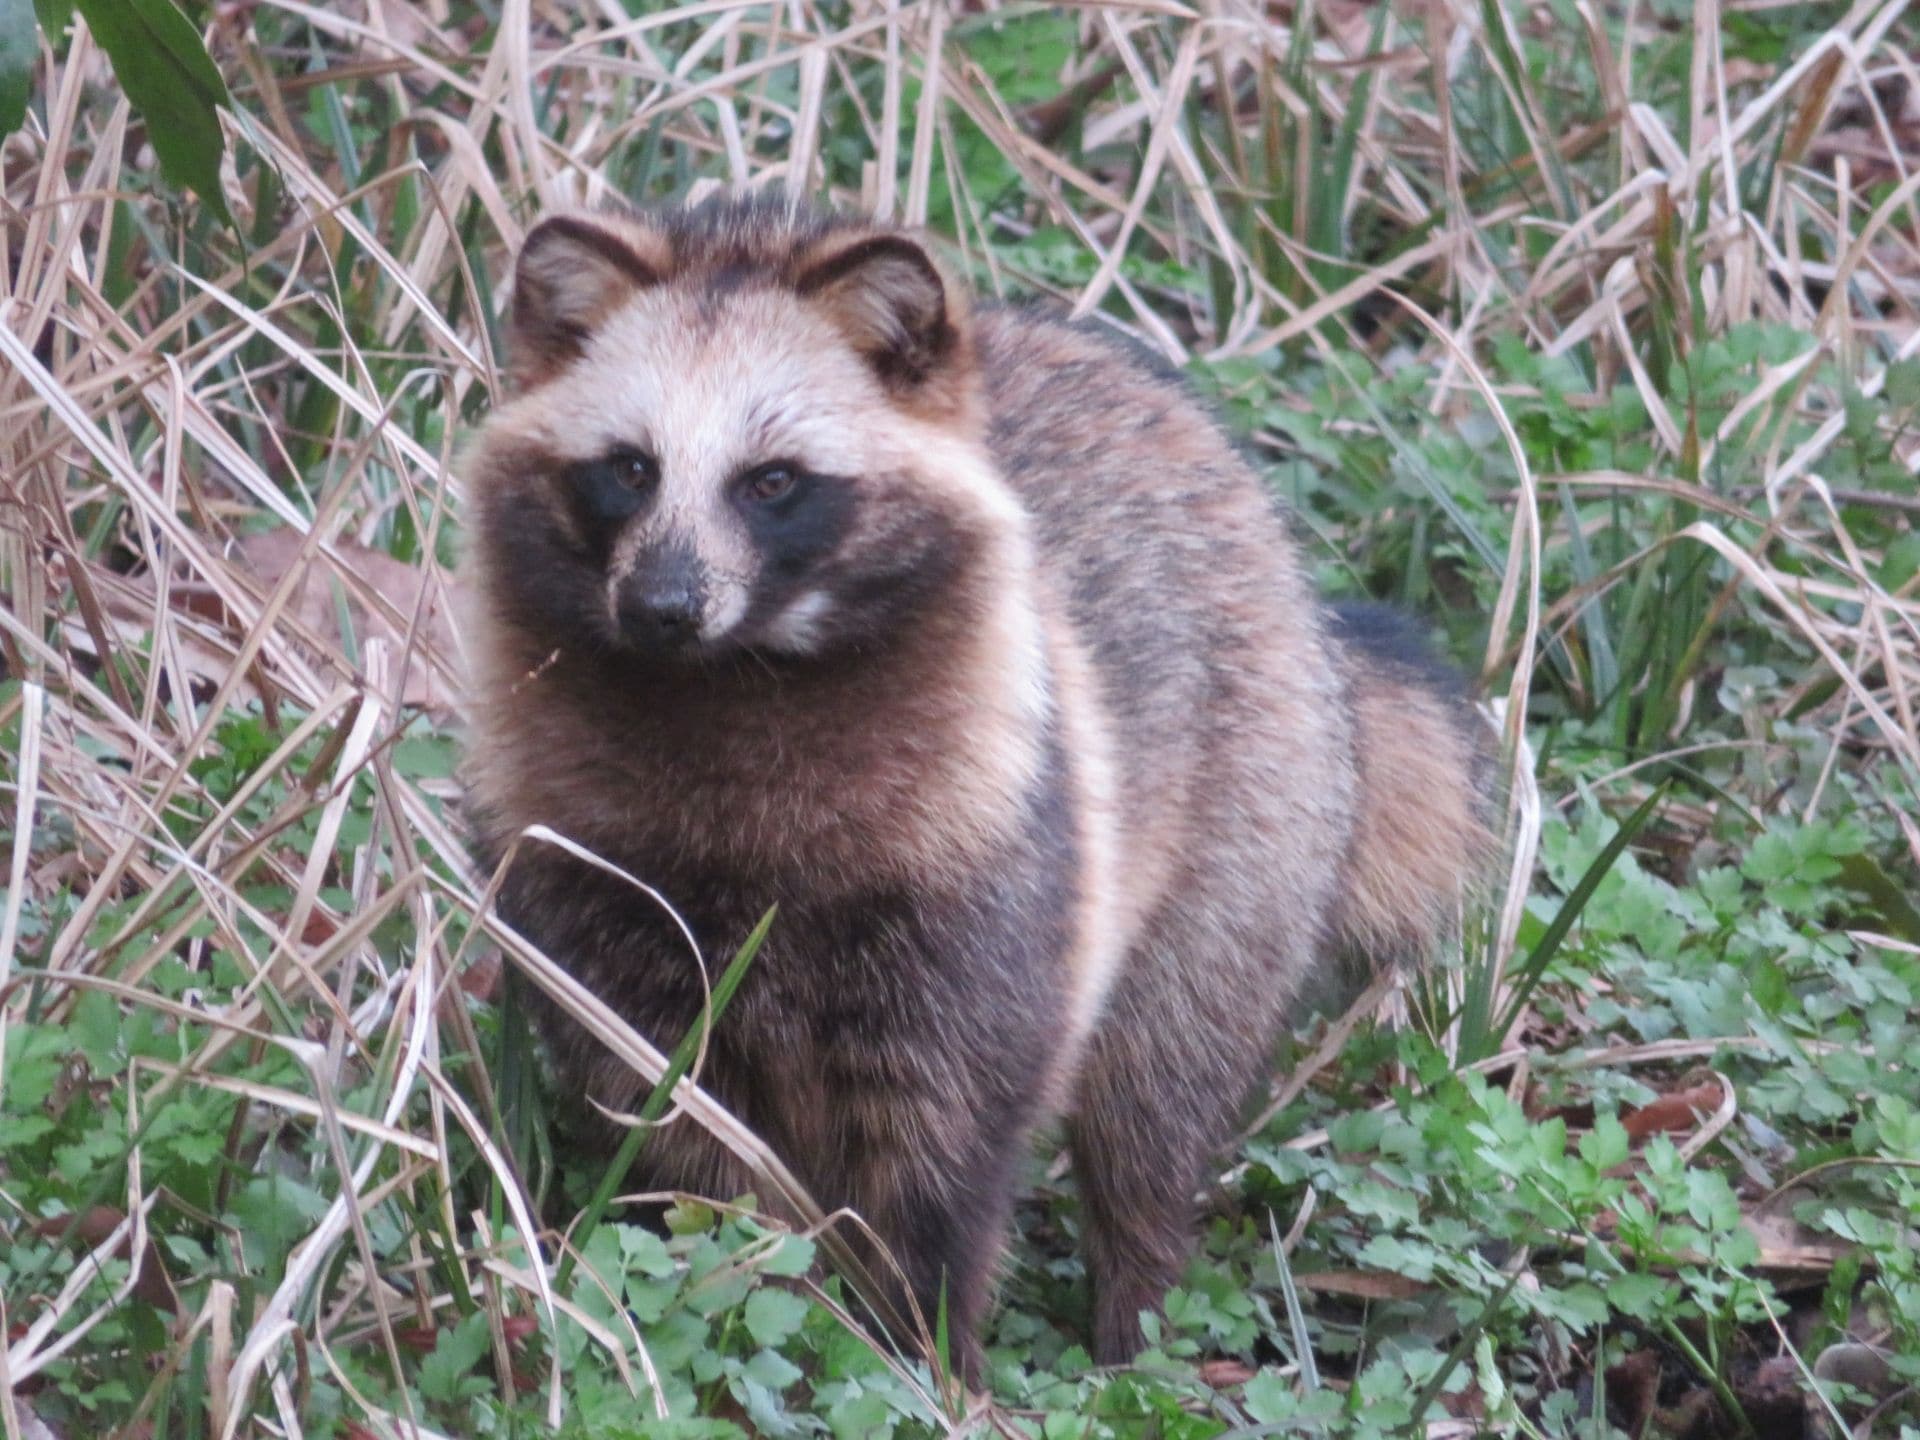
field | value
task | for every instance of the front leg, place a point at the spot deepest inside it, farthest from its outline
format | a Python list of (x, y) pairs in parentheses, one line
[(933, 1176), (934, 1022)]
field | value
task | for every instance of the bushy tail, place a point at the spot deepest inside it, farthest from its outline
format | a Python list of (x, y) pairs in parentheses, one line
[(1420, 838)]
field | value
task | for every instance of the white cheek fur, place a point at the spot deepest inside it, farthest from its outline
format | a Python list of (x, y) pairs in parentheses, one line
[(726, 613), (797, 629)]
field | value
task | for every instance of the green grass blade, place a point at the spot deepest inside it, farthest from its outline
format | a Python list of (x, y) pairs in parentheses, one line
[(1296, 1317), (656, 1104), (1542, 954)]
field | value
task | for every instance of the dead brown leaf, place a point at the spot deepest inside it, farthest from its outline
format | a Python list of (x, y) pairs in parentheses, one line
[(1364, 1284), (1225, 1374), (1786, 1244), (409, 591), (1673, 1113)]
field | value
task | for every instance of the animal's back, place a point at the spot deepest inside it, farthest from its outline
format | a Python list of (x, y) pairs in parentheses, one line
[(1247, 812), (1181, 584)]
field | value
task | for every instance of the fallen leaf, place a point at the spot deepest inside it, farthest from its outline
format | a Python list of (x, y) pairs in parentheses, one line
[(1676, 1112), (407, 590), (1786, 1244), (1367, 1284), (1225, 1374), (320, 928), (480, 977), (519, 1328)]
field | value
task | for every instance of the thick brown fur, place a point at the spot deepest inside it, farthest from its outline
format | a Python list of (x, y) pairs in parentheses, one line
[(988, 658)]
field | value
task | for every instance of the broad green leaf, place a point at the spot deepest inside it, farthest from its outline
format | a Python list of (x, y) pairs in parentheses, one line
[(455, 1353), (1606, 1144), (793, 1257), (774, 1315), (18, 49), (1269, 1398), (164, 68)]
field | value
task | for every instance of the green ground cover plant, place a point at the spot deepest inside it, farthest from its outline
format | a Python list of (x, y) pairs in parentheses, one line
[(1590, 331)]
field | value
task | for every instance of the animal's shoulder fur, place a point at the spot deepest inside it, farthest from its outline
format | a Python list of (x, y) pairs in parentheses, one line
[(1169, 560)]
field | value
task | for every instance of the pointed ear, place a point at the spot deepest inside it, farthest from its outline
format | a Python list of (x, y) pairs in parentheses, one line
[(886, 296), (573, 271)]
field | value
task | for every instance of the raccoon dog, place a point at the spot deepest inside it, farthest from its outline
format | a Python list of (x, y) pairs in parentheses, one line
[(971, 641)]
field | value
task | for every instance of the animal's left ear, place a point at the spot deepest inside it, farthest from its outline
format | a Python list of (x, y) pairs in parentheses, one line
[(887, 297)]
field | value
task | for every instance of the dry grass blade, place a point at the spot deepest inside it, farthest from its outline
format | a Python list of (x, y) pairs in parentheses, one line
[(1645, 374)]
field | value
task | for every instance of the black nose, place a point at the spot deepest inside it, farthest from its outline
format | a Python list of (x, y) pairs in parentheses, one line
[(668, 613)]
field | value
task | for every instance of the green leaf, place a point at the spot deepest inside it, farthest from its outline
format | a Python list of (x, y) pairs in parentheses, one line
[(1398, 1257), (643, 1252), (1269, 1398), (1606, 1145), (161, 63), (19, 48), (774, 1371), (454, 1355), (793, 1257), (773, 1316), (678, 1429), (1641, 1296), (1528, 974), (96, 1028), (1902, 561)]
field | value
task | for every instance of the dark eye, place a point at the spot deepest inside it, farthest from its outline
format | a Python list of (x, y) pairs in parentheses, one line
[(633, 469), (770, 483), (609, 490)]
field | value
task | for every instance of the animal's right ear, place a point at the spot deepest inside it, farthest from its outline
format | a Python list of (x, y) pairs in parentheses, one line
[(886, 295), (573, 271)]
